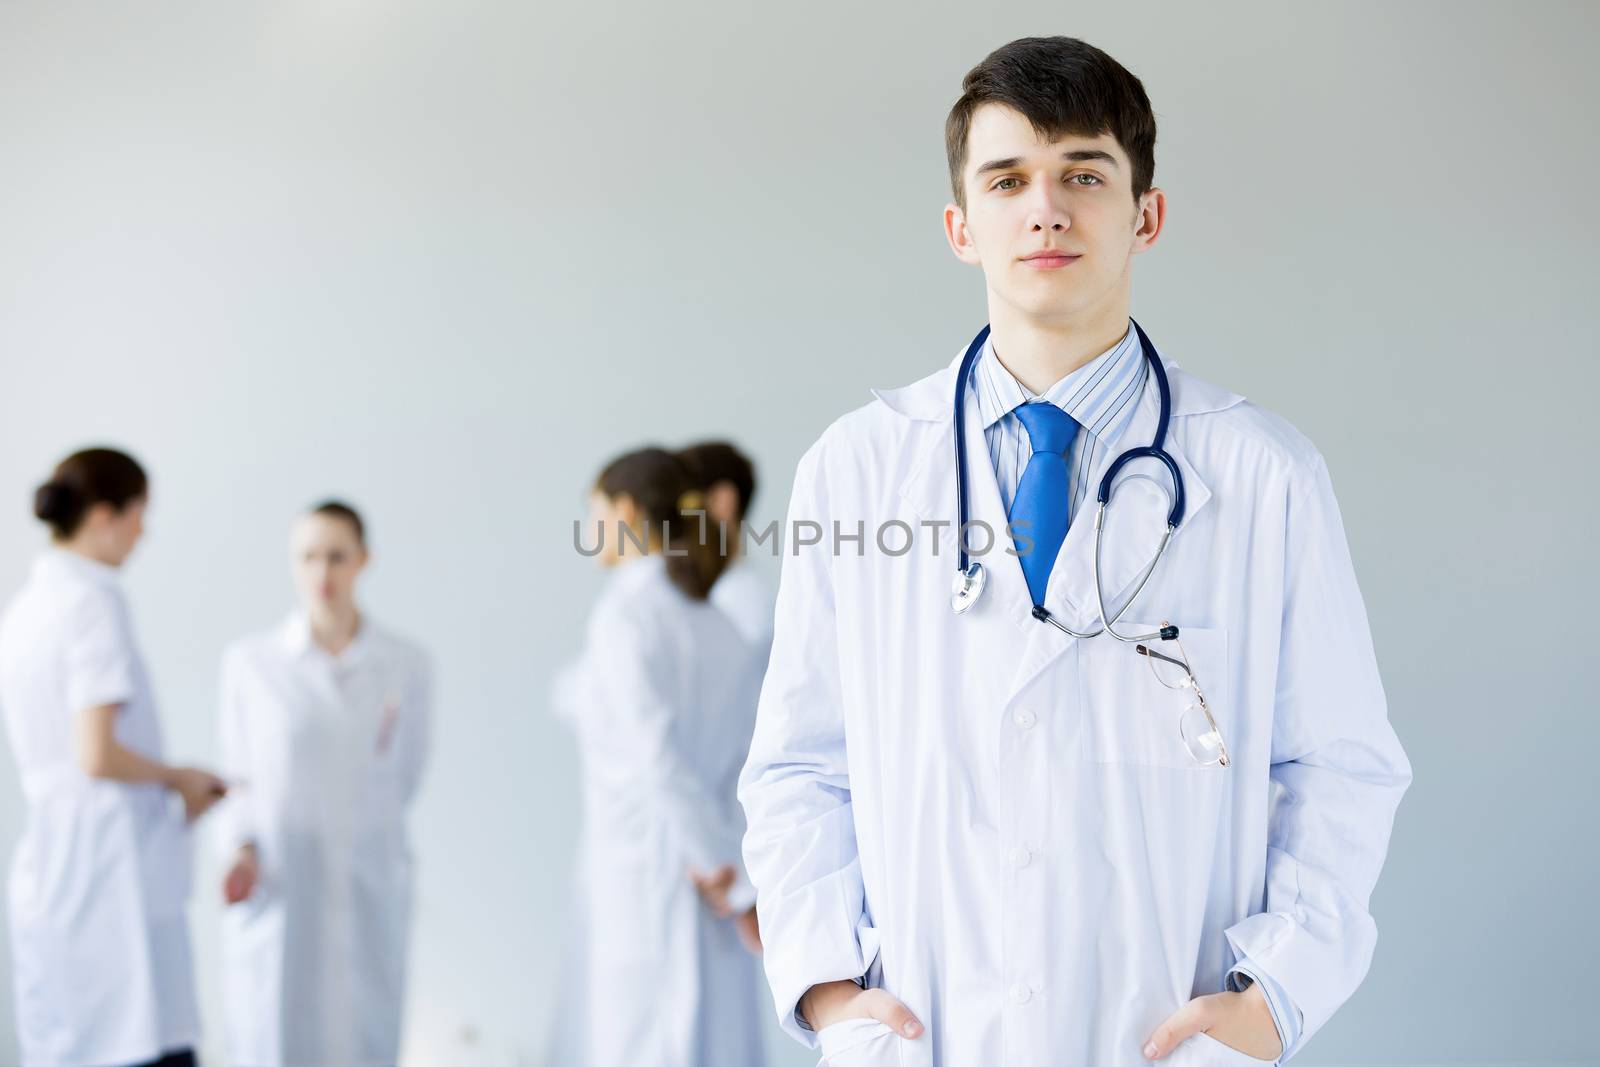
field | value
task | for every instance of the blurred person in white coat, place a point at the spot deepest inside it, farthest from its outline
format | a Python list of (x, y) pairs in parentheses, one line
[(977, 838), (727, 482), (662, 701), (99, 882), (325, 724)]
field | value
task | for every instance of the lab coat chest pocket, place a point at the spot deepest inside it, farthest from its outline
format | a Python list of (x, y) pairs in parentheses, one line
[(1129, 716)]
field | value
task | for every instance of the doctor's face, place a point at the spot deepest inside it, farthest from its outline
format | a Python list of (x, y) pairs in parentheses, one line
[(326, 558), (1053, 223)]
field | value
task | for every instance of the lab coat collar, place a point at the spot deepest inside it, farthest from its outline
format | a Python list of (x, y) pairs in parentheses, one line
[(297, 640), (64, 560), (1135, 519), (636, 570)]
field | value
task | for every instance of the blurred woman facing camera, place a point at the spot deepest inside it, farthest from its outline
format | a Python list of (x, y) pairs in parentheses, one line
[(325, 719)]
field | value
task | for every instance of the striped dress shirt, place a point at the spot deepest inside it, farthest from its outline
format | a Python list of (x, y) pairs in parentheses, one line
[(1101, 396)]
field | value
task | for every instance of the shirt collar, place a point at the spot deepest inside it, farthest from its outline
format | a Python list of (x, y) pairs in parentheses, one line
[(1092, 394), (297, 641)]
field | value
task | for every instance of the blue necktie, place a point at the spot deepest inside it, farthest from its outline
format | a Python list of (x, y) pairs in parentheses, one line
[(1039, 509)]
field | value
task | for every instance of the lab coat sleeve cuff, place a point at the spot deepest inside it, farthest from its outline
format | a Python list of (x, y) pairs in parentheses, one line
[(813, 962), (1317, 968), (1285, 1016)]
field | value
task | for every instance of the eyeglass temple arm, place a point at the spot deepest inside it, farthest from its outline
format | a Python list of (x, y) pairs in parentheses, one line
[(1153, 654)]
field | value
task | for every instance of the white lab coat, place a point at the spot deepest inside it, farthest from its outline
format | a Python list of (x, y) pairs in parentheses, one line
[(743, 594), (330, 751), (662, 699), (998, 823), (99, 881)]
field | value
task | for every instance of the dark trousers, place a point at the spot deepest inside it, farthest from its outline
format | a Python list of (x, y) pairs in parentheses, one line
[(183, 1058)]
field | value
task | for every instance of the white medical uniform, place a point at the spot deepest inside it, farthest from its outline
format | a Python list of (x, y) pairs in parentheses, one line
[(100, 879), (330, 749), (999, 824), (743, 593), (662, 699)]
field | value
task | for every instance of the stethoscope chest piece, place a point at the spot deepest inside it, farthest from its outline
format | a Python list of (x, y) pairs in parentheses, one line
[(968, 587)]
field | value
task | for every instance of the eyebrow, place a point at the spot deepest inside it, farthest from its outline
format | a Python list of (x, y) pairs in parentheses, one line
[(1077, 155)]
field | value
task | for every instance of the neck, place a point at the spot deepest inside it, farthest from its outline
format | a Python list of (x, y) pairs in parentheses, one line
[(1040, 352), (333, 627), (89, 552)]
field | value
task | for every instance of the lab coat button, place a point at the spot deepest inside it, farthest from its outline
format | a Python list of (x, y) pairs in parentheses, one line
[(1020, 857), (1024, 718), (1021, 994)]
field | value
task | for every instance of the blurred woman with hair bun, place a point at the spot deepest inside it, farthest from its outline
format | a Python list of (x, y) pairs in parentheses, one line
[(100, 880)]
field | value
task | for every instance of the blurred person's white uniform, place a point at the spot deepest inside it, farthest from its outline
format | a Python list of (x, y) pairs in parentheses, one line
[(745, 595), (99, 882), (327, 751), (662, 700)]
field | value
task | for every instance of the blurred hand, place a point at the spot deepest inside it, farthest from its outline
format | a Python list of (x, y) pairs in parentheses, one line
[(714, 888), (1242, 1021), (241, 879), (834, 1002), (199, 789), (749, 930)]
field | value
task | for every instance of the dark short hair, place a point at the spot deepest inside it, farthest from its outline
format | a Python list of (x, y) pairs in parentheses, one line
[(711, 462), (84, 479), (1062, 86), (338, 509)]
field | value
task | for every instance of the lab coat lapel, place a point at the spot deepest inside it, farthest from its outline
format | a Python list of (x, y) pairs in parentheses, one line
[(930, 490), (1135, 521)]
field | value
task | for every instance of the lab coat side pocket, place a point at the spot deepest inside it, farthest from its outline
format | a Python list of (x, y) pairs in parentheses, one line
[(859, 1043), (1129, 716), (1214, 1052)]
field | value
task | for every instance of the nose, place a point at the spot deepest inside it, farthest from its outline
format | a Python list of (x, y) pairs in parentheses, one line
[(1047, 210)]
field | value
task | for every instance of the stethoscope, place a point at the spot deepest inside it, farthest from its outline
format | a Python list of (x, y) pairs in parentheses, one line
[(970, 575)]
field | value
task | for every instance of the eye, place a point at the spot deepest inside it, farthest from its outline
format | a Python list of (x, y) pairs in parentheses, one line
[(1002, 186), (1093, 180)]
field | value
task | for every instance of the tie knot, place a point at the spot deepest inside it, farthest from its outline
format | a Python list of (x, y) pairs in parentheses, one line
[(1049, 428)]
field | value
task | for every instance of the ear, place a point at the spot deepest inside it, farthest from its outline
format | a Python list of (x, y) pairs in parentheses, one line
[(960, 238), (98, 516), (627, 512), (1149, 221)]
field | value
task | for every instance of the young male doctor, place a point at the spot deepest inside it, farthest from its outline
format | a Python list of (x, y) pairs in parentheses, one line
[(978, 840)]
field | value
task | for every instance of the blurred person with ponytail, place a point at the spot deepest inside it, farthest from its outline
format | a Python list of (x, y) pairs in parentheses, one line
[(727, 481), (661, 699), (99, 882)]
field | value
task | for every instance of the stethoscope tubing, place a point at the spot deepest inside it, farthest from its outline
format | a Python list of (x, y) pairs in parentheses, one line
[(1155, 450)]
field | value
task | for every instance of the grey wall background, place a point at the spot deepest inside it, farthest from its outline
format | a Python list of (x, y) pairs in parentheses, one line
[(445, 259)]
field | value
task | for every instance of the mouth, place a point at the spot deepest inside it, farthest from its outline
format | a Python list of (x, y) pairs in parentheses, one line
[(1049, 259)]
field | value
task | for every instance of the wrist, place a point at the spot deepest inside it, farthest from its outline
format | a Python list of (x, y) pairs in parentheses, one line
[(821, 1002)]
